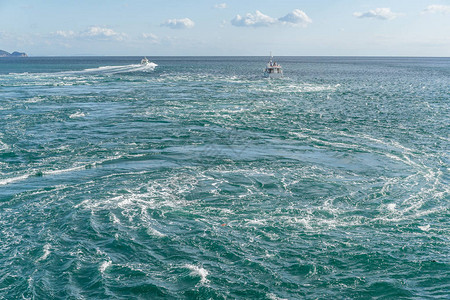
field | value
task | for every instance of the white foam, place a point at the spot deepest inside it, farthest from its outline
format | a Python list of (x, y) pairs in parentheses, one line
[(34, 99), (272, 296), (105, 265), (154, 232), (198, 271), (261, 222), (388, 184), (3, 146), (54, 172), (300, 135), (114, 218), (48, 172), (165, 193), (425, 227), (391, 206), (269, 255), (304, 222), (78, 114), (336, 144), (46, 249), (294, 87), (13, 179)]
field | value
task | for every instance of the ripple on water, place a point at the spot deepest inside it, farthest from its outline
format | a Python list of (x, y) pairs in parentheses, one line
[(195, 180)]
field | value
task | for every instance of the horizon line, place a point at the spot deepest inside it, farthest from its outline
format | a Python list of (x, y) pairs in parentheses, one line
[(91, 55)]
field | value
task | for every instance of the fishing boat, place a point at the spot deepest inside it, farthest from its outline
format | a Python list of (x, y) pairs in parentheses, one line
[(273, 69), (144, 61)]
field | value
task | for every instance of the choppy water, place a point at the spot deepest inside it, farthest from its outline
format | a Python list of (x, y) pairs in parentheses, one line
[(197, 178)]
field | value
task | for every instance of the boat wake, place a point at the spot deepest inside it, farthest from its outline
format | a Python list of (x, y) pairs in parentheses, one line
[(107, 70), (104, 70)]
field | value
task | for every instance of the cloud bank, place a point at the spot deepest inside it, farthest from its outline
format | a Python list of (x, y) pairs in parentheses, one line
[(65, 34), (185, 23), (378, 13), (435, 8), (93, 32), (221, 6), (296, 17), (103, 33)]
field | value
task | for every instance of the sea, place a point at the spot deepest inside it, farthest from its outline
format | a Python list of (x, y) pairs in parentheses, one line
[(198, 178)]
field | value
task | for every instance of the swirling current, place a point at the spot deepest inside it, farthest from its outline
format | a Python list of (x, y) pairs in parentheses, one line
[(197, 178)]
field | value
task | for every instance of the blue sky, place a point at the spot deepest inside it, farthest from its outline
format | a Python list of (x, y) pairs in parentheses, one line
[(226, 27)]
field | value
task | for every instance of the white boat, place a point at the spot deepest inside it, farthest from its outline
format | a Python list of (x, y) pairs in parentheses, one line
[(144, 61), (273, 69)]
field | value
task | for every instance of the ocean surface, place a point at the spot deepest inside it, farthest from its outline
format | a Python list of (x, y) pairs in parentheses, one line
[(197, 178)]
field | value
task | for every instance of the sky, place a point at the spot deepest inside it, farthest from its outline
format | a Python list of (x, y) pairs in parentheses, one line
[(226, 27)]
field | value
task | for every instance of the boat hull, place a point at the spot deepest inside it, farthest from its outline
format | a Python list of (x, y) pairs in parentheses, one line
[(273, 75)]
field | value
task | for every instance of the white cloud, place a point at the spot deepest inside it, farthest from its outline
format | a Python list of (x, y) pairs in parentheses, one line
[(257, 20), (221, 6), (185, 23), (378, 13), (65, 34), (151, 37), (296, 17), (102, 33), (93, 32), (435, 8)]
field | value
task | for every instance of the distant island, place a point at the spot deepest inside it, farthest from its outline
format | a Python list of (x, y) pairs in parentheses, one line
[(14, 54)]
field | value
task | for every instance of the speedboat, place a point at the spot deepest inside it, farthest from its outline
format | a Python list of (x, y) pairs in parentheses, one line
[(273, 69), (144, 61)]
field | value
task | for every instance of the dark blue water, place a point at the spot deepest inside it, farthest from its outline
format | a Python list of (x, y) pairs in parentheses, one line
[(199, 179)]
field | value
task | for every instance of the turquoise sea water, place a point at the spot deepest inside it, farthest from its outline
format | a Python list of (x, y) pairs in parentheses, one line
[(199, 179)]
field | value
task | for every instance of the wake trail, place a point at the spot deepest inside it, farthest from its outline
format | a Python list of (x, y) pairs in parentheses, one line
[(106, 70), (103, 70)]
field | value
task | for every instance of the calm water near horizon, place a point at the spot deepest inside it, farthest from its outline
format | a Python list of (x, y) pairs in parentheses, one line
[(200, 179)]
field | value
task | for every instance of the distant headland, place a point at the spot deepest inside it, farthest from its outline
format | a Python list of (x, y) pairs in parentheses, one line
[(14, 54)]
